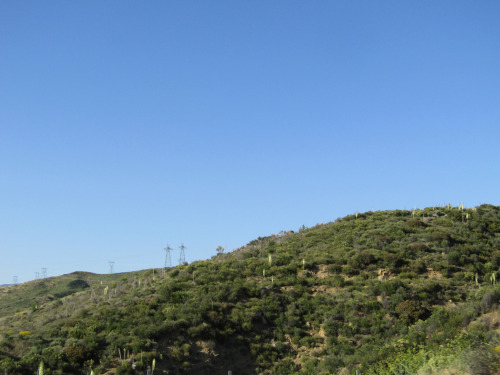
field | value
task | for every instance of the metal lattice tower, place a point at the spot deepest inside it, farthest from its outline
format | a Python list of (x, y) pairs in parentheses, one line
[(168, 259), (15, 280), (37, 275), (44, 273), (111, 265), (182, 255)]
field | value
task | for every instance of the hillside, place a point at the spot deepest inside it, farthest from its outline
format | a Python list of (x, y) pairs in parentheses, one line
[(388, 292), (31, 294)]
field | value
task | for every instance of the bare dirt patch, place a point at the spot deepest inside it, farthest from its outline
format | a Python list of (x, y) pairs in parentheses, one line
[(322, 272), (435, 275), (323, 289)]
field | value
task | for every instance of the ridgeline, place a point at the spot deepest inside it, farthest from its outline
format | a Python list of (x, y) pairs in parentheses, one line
[(388, 292)]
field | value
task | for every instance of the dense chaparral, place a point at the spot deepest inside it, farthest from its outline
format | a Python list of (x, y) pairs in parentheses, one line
[(385, 292)]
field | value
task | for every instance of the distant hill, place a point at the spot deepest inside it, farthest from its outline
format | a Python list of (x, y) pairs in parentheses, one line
[(4, 285), (38, 292), (387, 292)]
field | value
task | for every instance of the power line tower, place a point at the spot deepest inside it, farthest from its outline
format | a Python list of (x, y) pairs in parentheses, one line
[(37, 275), (15, 280), (182, 255), (44, 273), (168, 259), (111, 265)]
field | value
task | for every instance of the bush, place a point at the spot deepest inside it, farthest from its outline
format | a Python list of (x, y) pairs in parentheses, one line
[(336, 268), (455, 258), (415, 223), (78, 284), (77, 354), (337, 281), (409, 311), (419, 247), (482, 361), (418, 267), (125, 369), (440, 236), (351, 271), (487, 301)]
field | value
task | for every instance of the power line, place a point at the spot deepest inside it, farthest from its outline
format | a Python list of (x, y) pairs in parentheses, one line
[(182, 255), (168, 259)]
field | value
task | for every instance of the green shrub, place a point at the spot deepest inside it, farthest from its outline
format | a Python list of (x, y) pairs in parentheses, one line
[(409, 311), (125, 368)]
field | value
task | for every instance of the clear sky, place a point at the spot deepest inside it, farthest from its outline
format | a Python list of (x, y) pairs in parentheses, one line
[(127, 125)]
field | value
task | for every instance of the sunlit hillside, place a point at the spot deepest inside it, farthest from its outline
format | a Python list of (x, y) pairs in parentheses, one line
[(389, 292)]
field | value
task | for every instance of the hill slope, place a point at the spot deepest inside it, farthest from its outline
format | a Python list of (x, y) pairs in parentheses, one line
[(20, 297), (384, 292)]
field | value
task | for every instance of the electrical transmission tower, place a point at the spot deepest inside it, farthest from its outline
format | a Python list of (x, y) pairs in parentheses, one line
[(168, 259), (44, 273), (37, 275), (15, 280), (182, 255), (111, 265)]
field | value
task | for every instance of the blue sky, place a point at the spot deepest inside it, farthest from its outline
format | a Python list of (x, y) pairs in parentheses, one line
[(125, 125)]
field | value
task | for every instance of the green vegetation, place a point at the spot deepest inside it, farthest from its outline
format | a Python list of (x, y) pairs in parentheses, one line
[(390, 292), (34, 293)]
